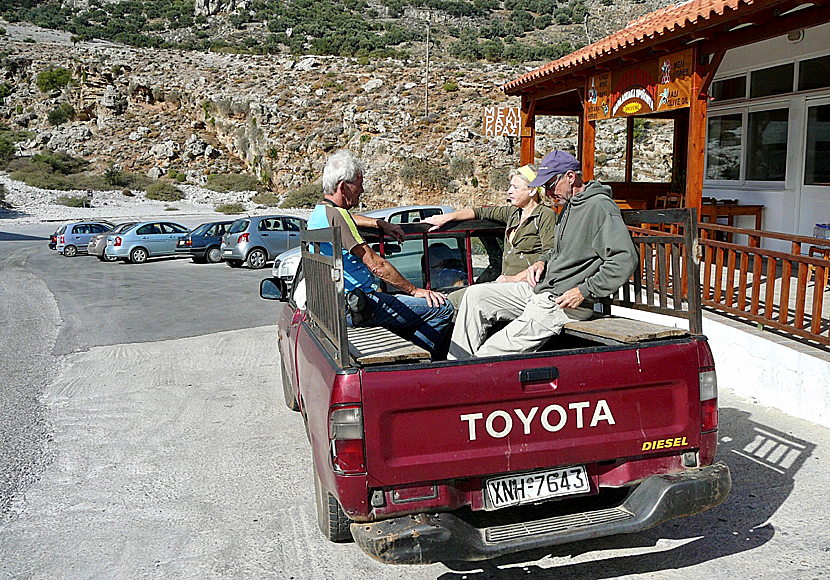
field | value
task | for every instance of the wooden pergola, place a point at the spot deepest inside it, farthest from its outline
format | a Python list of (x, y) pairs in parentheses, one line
[(692, 38)]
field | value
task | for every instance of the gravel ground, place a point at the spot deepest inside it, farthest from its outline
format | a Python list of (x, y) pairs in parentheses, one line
[(28, 315)]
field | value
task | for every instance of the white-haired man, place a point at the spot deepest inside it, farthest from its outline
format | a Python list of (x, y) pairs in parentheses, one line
[(420, 315)]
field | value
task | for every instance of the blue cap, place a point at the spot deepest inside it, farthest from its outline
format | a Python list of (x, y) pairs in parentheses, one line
[(553, 164)]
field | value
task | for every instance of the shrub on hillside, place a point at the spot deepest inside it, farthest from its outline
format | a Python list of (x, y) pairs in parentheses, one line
[(225, 182), (423, 173), (307, 195), (461, 167), (71, 201), (61, 114), (53, 79), (268, 198), (230, 208), (163, 191), (61, 162)]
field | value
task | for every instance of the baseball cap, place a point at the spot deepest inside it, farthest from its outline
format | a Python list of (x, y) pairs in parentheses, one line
[(554, 163)]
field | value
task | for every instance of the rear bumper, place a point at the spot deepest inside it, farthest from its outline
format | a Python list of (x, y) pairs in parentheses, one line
[(428, 538)]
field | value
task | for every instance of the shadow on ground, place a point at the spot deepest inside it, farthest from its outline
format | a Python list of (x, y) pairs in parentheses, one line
[(11, 237), (763, 462)]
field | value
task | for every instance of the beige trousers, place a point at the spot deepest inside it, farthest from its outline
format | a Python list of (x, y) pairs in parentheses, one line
[(534, 318)]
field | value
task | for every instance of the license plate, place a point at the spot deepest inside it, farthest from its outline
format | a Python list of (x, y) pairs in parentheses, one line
[(534, 487), (228, 252)]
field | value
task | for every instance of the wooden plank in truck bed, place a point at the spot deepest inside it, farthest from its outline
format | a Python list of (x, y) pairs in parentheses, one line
[(615, 330), (375, 345)]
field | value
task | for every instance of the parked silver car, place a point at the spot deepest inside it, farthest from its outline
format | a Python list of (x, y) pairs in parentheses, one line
[(97, 245), (286, 264), (257, 239), (145, 240), (75, 237)]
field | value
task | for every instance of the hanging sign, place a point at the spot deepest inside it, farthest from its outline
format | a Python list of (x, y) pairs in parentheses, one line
[(663, 84), (500, 121)]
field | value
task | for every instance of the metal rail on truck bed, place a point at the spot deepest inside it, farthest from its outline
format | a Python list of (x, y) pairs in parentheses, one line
[(326, 307), (667, 281)]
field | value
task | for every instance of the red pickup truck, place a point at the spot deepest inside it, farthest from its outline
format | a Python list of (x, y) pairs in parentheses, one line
[(611, 428)]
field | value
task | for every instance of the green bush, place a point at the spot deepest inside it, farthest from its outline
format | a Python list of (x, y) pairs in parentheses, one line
[(5, 90), (61, 162), (307, 195), (499, 180), (268, 198), (424, 173), (461, 167), (225, 182), (60, 115), (451, 86), (115, 177), (163, 191), (230, 208), (7, 149), (72, 201), (53, 79)]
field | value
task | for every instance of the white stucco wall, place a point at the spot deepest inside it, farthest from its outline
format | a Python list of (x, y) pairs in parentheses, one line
[(775, 371)]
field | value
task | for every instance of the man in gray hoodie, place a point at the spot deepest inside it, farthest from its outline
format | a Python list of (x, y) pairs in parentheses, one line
[(591, 258)]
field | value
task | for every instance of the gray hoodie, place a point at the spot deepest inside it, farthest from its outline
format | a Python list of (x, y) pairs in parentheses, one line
[(592, 249)]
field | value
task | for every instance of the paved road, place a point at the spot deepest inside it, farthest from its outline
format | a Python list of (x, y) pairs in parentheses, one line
[(144, 437)]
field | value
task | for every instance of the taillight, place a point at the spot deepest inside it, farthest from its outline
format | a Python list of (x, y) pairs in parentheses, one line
[(708, 401), (346, 439), (242, 238), (188, 242), (117, 241), (62, 240)]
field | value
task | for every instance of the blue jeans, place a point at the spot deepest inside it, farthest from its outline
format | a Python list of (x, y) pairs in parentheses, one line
[(411, 318)]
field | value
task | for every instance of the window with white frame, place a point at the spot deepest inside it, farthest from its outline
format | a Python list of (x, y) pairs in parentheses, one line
[(747, 141)]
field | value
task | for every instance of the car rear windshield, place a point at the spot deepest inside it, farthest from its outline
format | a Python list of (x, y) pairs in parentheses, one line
[(121, 228), (200, 230), (239, 226)]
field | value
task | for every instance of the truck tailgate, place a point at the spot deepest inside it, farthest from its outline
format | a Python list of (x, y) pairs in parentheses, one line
[(498, 415)]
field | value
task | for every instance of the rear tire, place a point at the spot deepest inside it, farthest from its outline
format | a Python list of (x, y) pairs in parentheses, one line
[(233, 263), (287, 391), (257, 259), (109, 258), (70, 251), (138, 255), (331, 519), (213, 255), (103, 258)]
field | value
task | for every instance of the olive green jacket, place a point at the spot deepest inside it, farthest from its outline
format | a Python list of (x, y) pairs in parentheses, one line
[(532, 239)]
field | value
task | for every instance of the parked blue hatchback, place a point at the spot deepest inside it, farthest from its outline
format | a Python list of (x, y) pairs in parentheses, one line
[(145, 240), (203, 242)]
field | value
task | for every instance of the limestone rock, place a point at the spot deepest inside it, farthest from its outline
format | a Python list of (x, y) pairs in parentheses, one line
[(155, 173), (166, 150), (372, 85)]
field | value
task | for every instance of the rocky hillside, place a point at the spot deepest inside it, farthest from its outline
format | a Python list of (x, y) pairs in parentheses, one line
[(191, 114)]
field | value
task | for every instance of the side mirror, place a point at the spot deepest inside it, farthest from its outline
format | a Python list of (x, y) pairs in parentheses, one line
[(273, 289)]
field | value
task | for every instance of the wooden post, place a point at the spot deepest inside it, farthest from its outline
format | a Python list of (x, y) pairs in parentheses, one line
[(528, 129), (629, 149), (696, 151), (589, 129)]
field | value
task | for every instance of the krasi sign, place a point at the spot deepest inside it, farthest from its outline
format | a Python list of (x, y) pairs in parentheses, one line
[(663, 84)]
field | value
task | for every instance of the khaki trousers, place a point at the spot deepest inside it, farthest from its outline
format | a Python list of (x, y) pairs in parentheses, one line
[(534, 318)]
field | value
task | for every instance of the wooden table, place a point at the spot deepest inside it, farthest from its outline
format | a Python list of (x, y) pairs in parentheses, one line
[(631, 203), (712, 211)]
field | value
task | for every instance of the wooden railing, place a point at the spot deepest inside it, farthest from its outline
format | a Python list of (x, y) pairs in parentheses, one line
[(326, 303), (666, 281), (781, 290)]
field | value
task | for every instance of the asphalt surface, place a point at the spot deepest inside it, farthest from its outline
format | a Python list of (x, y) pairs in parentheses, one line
[(144, 436)]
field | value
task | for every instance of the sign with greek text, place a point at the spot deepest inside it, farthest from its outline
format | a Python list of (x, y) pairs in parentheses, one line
[(663, 84), (502, 121)]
